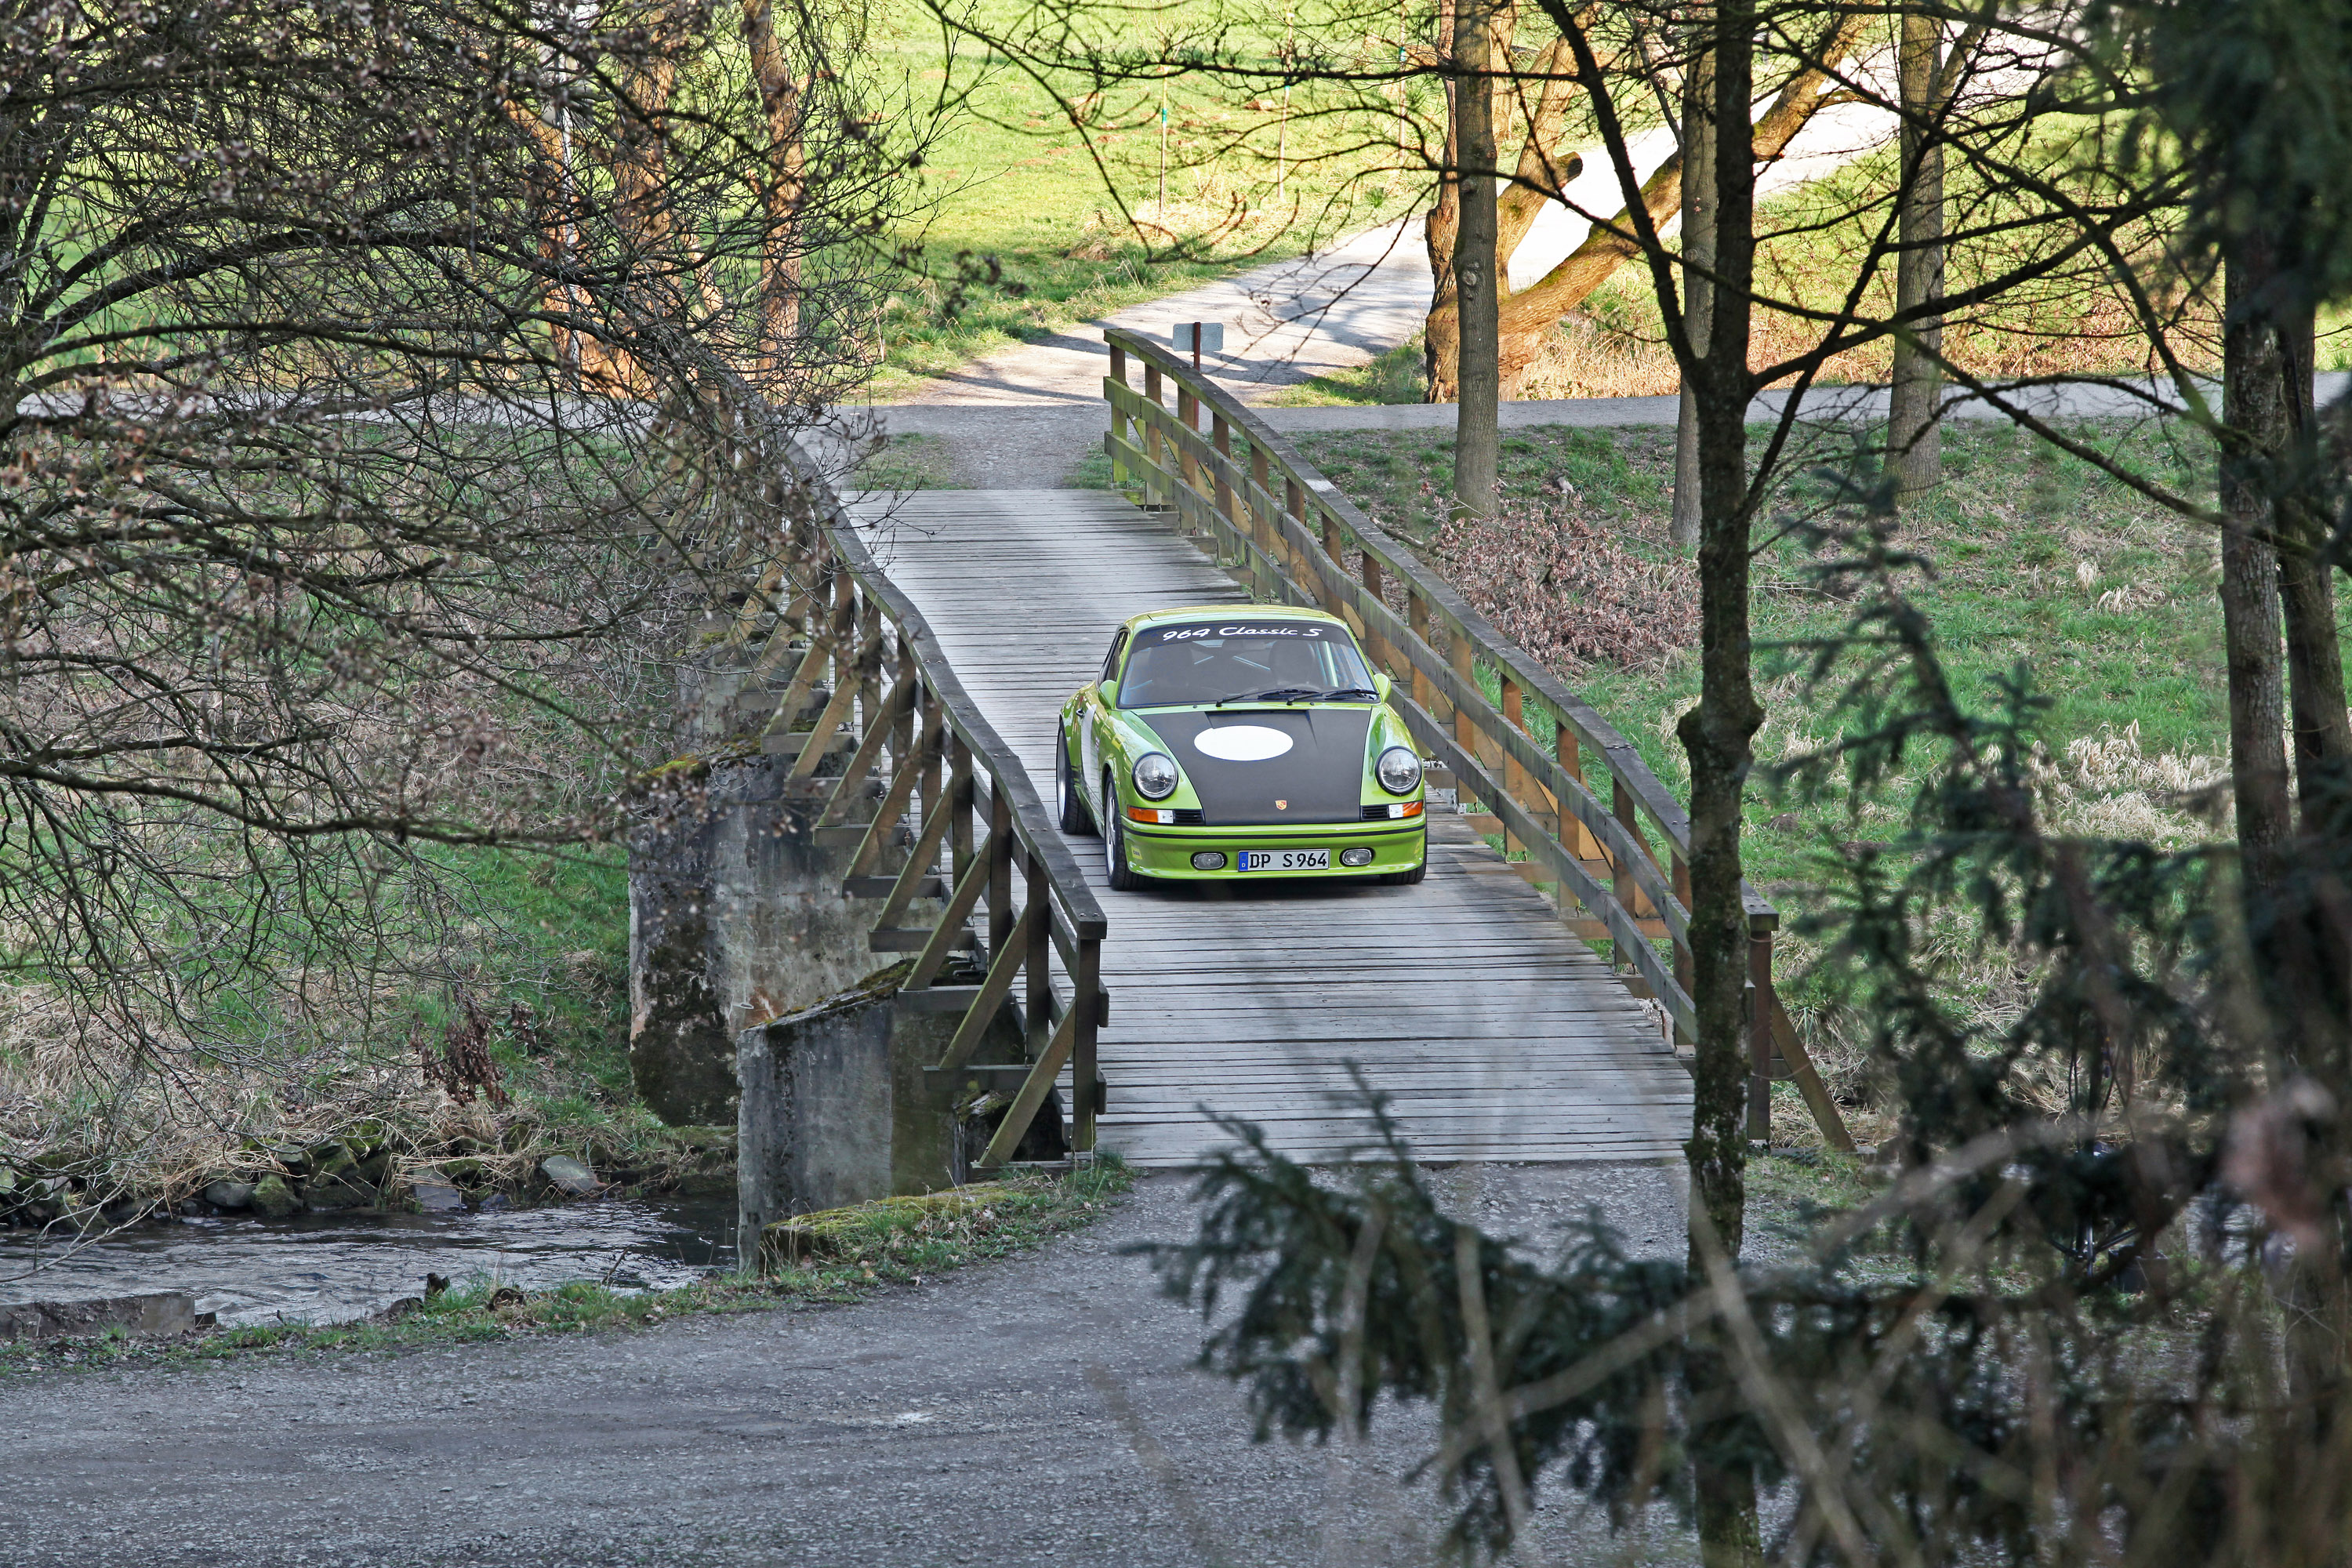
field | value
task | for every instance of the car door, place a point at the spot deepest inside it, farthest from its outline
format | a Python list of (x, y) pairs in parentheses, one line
[(1094, 719)]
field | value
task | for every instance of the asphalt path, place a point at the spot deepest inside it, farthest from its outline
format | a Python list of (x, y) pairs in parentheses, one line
[(1042, 1409)]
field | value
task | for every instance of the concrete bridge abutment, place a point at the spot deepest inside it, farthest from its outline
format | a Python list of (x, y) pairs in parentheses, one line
[(736, 907)]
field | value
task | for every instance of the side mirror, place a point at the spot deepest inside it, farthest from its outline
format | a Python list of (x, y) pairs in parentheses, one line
[(1108, 691), (1383, 685)]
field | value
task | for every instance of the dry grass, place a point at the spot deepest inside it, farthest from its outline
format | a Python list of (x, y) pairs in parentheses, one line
[(133, 1126), (1568, 589), (1615, 346)]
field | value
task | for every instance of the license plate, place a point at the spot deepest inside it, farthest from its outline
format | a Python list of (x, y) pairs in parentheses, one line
[(1286, 859)]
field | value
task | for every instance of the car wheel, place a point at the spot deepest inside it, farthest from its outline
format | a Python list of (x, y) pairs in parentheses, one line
[(1114, 833), (1068, 799), (1407, 878)]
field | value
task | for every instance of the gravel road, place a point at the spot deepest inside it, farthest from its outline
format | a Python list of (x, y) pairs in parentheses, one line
[(1038, 1410)]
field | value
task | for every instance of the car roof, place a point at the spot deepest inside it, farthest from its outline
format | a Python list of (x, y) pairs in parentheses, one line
[(1231, 612)]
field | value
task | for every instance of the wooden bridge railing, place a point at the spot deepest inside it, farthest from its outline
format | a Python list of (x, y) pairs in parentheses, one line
[(896, 763), (1288, 535)]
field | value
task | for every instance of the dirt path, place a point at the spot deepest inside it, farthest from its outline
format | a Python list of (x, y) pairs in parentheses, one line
[(1024, 417), (1041, 1410)]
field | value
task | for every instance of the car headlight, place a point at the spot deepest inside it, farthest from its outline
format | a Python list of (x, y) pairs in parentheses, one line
[(1155, 776), (1399, 771)]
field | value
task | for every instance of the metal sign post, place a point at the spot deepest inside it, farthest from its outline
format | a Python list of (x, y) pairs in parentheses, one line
[(1199, 335)]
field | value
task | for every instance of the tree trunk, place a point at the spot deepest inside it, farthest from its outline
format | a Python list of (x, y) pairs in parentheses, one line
[(2315, 654), (1698, 250), (2273, 579), (2253, 407), (1719, 735), (1914, 458), (782, 190), (1475, 266), (1542, 172), (1530, 314), (641, 194), (1441, 345)]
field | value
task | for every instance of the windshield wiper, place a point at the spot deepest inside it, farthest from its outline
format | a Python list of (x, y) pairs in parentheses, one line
[(1352, 694), (1279, 694)]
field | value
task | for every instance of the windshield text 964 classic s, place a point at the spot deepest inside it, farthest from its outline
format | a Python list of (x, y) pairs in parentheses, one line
[(1222, 743)]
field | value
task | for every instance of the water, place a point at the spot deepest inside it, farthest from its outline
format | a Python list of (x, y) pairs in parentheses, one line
[(331, 1268)]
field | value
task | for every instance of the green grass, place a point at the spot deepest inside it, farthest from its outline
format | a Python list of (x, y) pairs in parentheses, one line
[(1398, 375), (1403, 478), (1789, 1195), (2009, 532), (886, 1246), (914, 461), (1019, 235), (551, 931), (1093, 472)]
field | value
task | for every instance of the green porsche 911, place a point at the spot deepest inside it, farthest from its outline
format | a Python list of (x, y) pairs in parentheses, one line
[(1223, 743)]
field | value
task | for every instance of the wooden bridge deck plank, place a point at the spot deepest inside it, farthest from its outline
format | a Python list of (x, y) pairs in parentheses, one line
[(1499, 1036)]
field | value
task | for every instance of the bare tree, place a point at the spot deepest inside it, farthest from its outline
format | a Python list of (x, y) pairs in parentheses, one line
[(1478, 270), (372, 379), (1698, 149), (1914, 434)]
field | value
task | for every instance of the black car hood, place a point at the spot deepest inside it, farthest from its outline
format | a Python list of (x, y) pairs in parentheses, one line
[(1320, 778)]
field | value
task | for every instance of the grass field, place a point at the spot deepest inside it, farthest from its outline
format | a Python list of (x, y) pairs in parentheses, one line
[(1020, 235)]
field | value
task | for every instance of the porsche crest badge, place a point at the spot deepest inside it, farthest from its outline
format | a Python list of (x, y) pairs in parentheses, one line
[(1282, 805)]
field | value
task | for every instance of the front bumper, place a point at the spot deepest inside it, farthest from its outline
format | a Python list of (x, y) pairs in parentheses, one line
[(1166, 852)]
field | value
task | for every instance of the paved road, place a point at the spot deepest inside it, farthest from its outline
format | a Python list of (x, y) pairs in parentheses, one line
[(1040, 1410)]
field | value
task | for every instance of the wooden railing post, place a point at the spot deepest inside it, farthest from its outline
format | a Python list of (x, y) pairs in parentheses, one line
[(1118, 415), (1221, 436), (1085, 995), (1622, 807), (1278, 544), (1621, 873), (903, 723), (869, 664), (1416, 616), (1686, 974), (1188, 415), (1464, 657), (1573, 834), (1515, 782), (1154, 444), (1375, 644), (928, 783), (1037, 963), (1759, 1031), (959, 846), (1000, 867)]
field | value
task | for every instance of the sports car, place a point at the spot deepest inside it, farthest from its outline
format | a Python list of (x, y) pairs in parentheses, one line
[(1222, 743)]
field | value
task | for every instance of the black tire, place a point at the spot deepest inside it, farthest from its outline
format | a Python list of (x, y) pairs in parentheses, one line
[(1122, 879), (1069, 800)]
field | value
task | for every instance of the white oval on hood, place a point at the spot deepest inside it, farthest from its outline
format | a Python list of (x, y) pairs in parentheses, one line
[(1242, 742)]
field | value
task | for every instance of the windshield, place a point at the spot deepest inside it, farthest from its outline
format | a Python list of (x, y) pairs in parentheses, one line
[(1206, 661)]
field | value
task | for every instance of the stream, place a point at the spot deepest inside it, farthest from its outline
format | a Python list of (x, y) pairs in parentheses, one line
[(331, 1268)]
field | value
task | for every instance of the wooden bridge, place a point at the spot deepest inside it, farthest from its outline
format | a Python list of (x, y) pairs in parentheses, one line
[(952, 624)]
